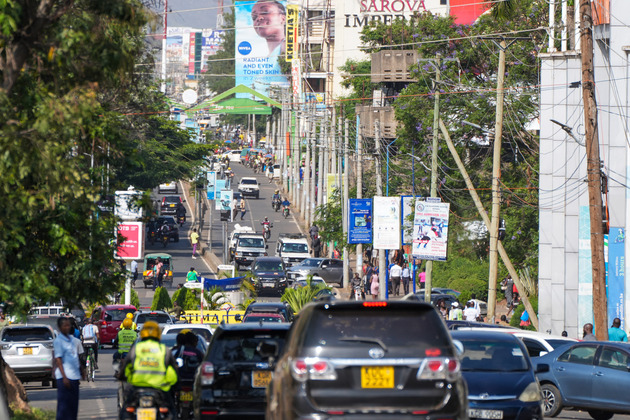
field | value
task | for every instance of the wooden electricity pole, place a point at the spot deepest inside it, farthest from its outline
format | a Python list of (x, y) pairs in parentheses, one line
[(600, 315)]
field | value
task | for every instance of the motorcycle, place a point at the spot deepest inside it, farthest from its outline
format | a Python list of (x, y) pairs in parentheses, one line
[(285, 212), (276, 205), (165, 239), (184, 402), (146, 403), (267, 230), (181, 220), (357, 293)]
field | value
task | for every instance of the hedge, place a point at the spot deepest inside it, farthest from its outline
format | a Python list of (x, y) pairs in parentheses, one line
[(161, 300)]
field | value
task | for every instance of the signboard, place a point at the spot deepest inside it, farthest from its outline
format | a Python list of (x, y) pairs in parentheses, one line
[(211, 176), (293, 15), (430, 231), (407, 219), (219, 185), (259, 42), (332, 184), (386, 223), (126, 205), (615, 274), (360, 221), (225, 200), (296, 79), (131, 247)]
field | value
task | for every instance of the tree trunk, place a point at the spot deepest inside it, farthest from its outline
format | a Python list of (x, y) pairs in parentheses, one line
[(12, 389)]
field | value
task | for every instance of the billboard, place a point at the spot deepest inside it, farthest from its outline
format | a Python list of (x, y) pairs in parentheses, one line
[(386, 223), (218, 186), (615, 274), (430, 231), (260, 41), (293, 15), (332, 184), (360, 221), (226, 200), (131, 247), (127, 206), (407, 219), (211, 176)]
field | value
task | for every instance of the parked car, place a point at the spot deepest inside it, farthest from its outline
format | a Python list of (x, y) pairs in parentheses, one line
[(368, 359), (202, 330), (330, 269), (500, 376), (590, 375), (168, 187), (28, 350), (237, 369), (161, 317), (169, 204), (538, 343), (281, 308), (268, 275), (108, 319)]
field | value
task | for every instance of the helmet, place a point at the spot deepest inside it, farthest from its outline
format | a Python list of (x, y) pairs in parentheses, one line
[(129, 315), (277, 191), (151, 329), (127, 323), (229, 169)]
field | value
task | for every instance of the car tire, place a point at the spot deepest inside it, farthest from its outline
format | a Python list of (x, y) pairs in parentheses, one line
[(600, 414), (177, 238), (53, 383), (257, 196), (47, 383), (552, 400)]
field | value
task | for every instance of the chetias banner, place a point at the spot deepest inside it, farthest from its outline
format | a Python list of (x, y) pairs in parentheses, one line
[(211, 176), (386, 224), (360, 221), (260, 39), (430, 231), (293, 16)]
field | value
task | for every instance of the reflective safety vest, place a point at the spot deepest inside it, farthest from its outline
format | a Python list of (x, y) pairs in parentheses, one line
[(149, 369), (126, 339)]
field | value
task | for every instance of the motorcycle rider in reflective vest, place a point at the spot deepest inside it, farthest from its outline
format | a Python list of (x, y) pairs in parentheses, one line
[(125, 339)]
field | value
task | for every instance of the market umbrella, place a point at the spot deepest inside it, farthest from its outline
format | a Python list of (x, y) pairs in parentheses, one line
[(268, 155)]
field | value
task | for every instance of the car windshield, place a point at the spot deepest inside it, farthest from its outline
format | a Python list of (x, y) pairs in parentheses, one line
[(119, 314), (268, 266), (233, 346), (249, 181), (492, 356), (310, 262), (170, 341), (159, 318), (251, 242), (27, 334), (301, 248)]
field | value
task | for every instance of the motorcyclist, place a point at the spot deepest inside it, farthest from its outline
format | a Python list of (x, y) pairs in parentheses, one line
[(164, 230), (286, 204), (181, 211), (266, 222), (125, 339), (149, 364), (275, 198), (191, 357)]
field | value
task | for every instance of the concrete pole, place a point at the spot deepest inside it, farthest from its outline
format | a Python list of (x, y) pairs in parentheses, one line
[(326, 144), (314, 151), (382, 264), (307, 176), (321, 144), (359, 266), (344, 204)]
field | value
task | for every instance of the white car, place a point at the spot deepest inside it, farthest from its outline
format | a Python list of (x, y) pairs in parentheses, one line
[(232, 155), (168, 188), (538, 343), (204, 330), (249, 187)]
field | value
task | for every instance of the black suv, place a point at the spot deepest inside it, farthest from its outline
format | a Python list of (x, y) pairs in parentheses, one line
[(154, 225), (280, 308), (269, 275), (236, 370), (169, 204), (368, 360)]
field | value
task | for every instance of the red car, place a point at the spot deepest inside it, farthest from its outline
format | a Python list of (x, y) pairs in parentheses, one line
[(108, 319)]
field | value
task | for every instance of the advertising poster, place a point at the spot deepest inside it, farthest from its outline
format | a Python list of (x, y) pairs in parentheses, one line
[(360, 221), (585, 271), (430, 231), (407, 219), (226, 200), (219, 185), (332, 184), (131, 247), (211, 176), (293, 15), (616, 275), (260, 40), (386, 223), (127, 207)]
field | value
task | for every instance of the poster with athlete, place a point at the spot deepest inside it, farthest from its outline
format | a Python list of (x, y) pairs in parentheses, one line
[(430, 231)]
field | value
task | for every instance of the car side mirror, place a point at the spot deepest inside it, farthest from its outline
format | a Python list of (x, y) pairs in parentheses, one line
[(266, 246), (267, 349), (237, 317), (541, 368), (183, 201), (459, 346)]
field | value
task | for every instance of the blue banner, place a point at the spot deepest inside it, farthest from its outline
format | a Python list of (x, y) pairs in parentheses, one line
[(360, 221), (212, 178), (218, 186), (616, 274), (232, 283)]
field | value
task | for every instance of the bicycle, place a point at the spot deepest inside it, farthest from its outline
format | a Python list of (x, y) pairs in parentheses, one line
[(90, 363)]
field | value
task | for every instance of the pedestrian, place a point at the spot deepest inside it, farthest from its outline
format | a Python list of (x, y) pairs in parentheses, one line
[(317, 246), (564, 334), (374, 283), (234, 206), (158, 273), (525, 321), (587, 332), (456, 313), (406, 278), (192, 275), (336, 254), (242, 207), (615, 333), (194, 240), (508, 286), (68, 370), (442, 309), (313, 232), (395, 275), (471, 313), (134, 272)]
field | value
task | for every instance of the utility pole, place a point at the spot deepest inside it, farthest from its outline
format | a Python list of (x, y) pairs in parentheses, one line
[(593, 169), (359, 266), (382, 291), (344, 204), (326, 159), (314, 151), (428, 281), (307, 175), (320, 162), (496, 193), (165, 22)]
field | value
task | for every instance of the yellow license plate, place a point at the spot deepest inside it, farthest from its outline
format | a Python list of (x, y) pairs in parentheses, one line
[(377, 377), (261, 378), (146, 414), (172, 205), (27, 350), (185, 396)]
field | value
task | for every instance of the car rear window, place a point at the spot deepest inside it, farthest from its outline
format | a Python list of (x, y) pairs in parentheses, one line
[(414, 329), (27, 334), (118, 314), (263, 318), (249, 181), (172, 199), (235, 346), (159, 318)]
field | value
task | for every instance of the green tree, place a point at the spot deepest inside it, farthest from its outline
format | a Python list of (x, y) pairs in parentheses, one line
[(299, 297), (220, 74), (161, 300)]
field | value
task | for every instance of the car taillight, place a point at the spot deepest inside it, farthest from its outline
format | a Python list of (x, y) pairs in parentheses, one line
[(207, 373), (104, 323), (374, 304), (312, 368), (439, 368)]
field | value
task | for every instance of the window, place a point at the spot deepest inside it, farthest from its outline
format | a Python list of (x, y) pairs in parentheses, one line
[(534, 348), (27, 334), (117, 314), (582, 355), (159, 318), (614, 359)]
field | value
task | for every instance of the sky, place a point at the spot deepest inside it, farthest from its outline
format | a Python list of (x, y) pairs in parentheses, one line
[(200, 14)]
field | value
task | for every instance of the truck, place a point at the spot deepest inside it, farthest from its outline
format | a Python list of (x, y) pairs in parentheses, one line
[(292, 248), (233, 238), (249, 246)]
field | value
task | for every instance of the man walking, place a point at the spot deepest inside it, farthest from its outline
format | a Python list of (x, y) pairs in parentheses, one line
[(317, 246), (406, 278), (194, 240), (134, 272), (395, 274), (68, 370), (615, 333), (242, 207)]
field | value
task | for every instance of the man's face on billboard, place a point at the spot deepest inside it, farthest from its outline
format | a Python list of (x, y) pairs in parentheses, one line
[(268, 20)]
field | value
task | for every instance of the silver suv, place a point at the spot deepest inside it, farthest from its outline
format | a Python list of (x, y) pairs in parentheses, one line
[(249, 247), (249, 187), (28, 349)]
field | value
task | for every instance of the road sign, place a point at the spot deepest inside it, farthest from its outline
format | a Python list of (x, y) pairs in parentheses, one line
[(226, 267), (193, 285)]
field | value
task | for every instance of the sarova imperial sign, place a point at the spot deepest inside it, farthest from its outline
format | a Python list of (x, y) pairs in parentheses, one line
[(384, 11)]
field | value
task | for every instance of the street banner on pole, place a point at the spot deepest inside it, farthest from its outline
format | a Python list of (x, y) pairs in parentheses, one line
[(212, 178), (360, 221), (218, 186), (407, 221), (386, 222), (127, 207), (292, 19), (332, 184), (131, 247), (430, 231), (615, 274), (226, 200)]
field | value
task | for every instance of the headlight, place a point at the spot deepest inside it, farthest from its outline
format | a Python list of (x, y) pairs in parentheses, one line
[(238, 254), (531, 393), (282, 280)]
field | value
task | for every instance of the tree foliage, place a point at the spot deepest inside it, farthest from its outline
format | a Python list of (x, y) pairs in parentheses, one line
[(220, 74), (299, 297), (161, 300)]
